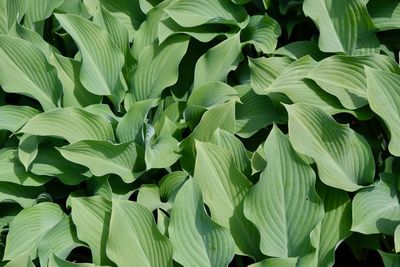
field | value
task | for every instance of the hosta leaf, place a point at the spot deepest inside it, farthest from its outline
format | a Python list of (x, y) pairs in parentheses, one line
[(390, 260), (224, 188), (102, 61), (74, 94), (27, 72), (314, 133), (54, 261), (397, 239), (335, 18), (72, 124), (218, 61), (149, 197), (28, 149), (189, 13), (171, 183), (161, 152), (262, 32), (12, 118), (284, 205), (59, 240), (384, 100), (49, 162), (254, 112), (377, 209), (196, 239), (38, 10), (11, 170), (158, 68), (22, 260), (276, 262), (344, 76), (102, 157), (28, 228), (134, 238), (299, 49), (91, 215), (131, 125), (385, 14), (212, 94), (23, 195)]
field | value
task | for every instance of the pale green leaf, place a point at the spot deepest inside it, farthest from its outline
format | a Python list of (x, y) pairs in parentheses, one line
[(284, 205), (345, 78), (191, 13), (224, 188), (72, 124), (276, 262), (384, 100), (171, 183), (299, 49), (102, 61), (59, 240), (27, 72), (149, 197), (397, 239), (218, 61), (54, 261), (91, 215), (134, 239), (102, 157), (23, 195), (385, 14), (38, 10), (314, 133), (23, 260), (28, 149), (28, 228), (345, 26), (377, 209), (212, 94), (161, 153), (12, 118), (196, 239)]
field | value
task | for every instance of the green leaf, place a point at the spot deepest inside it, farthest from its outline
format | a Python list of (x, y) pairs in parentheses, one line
[(284, 205), (189, 13), (384, 100), (28, 228), (59, 241), (345, 78), (335, 18), (377, 209), (102, 61), (134, 238), (27, 72), (161, 152), (212, 94), (12, 118), (27, 149), (385, 14), (397, 239), (276, 262), (218, 61), (38, 10), (196, 239), (158, 68), (224, 188), (299, 49), (149, 197), (23, 195), (171, 183), (71, 124), (91, 215), (102, 157), (262, 32), (314, 133), (22, 260), (54, 261)]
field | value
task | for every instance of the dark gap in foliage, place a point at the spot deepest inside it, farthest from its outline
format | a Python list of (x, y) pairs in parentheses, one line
[(80, 255)]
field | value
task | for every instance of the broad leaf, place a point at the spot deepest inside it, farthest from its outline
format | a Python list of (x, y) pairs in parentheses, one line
[(38, 10), (12, 118), (196, 239), (276, 262), (284, 205), (314, 133), (385, 14), (161, 153), (134, 238)]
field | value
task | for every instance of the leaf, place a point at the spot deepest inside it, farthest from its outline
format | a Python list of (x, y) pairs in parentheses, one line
[(149, 197), (38, 10), (23, 195), (314, 133), (385, 14), (161, 152), (384, 99), (59, 241), (335, 18), (390, 260), (276, 262), (224, 187), (12, 118), (22, 260), (28, 228), (134, 238), (299, 49), (91, 215), (397, 239), (71, 124), (189, 13), (54, 261), (27, 72), (218, 61), (284, 205), (345, 78), (196, 239), (171, 183), (102, 61), (102, 157), (27, 149), (212, 94), (377, 209), (158, 68), (262, 32)]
